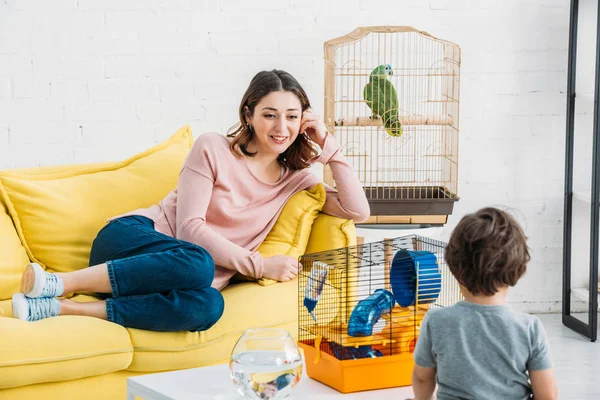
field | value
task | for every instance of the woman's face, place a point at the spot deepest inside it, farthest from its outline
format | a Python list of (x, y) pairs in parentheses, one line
[(276, 122)]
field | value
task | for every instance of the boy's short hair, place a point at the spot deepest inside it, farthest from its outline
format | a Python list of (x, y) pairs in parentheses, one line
[(486, 251)]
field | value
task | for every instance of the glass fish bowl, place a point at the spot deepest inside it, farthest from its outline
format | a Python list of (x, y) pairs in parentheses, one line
[(265, 364)]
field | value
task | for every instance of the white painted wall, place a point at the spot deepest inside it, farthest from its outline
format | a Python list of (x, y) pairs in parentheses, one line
[(95, 80)]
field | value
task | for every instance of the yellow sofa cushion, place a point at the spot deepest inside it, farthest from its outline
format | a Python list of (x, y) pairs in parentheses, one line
[(290, 234), (161, 351), (13, 258), (59, 349), (58, 215), (328, 231)]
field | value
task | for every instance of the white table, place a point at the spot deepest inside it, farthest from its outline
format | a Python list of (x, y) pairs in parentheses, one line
[(215, 383)]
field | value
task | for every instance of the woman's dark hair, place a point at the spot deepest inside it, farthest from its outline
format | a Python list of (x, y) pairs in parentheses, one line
[(486, 251), (301, 150)]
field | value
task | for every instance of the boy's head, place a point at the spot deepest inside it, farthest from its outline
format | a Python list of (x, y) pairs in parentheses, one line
[(487, 251)]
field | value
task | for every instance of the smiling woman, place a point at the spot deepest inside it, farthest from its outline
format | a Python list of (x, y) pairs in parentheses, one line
[(274, 112), (163, 267), (274, 131)]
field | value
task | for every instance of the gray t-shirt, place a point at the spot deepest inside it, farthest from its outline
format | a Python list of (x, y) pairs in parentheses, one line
[(482, 352)]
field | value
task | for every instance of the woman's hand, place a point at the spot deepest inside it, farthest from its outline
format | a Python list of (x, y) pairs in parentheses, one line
[(314, 127), (281, 268)]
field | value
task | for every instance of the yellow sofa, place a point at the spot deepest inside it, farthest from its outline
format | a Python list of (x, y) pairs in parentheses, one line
[(50, 215)]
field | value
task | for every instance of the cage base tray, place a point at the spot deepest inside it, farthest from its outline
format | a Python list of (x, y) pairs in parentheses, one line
[(350, 376), (410, 200)]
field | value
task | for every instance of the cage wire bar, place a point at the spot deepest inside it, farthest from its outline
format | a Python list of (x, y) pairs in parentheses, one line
[(356, 273), (409, 177)]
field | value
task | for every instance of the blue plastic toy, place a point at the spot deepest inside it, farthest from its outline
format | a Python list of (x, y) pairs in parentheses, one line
[(403, 277), (368, 311)]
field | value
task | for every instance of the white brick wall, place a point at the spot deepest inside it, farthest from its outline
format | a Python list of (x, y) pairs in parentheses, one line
[(78, 76)]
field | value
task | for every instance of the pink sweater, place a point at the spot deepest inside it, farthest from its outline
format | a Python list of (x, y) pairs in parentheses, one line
[(221, 206)]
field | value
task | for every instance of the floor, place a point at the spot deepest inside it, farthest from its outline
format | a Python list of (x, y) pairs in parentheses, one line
[(576, 360)]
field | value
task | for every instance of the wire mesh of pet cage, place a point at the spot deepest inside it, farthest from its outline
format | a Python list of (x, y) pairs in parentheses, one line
[(392, 103), (368, 302)]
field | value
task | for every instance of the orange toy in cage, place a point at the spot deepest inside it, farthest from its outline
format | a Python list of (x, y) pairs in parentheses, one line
[(392, 104), (361, 308)]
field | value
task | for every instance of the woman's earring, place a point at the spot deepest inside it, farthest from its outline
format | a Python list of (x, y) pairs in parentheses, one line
[(250, 128)]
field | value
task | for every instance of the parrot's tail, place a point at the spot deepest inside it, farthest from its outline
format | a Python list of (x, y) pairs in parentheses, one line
[(392, 126)]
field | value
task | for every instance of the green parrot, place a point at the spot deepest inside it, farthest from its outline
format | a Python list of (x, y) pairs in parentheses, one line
[(381, 97)]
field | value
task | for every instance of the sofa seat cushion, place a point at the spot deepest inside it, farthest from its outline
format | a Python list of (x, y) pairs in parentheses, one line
[(5, 308), (58, 215), (59, 349), (247, 305)]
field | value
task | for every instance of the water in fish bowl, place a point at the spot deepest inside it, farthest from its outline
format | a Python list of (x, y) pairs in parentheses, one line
[(265, 374)]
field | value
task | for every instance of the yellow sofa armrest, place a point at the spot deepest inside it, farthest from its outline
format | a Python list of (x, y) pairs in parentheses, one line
[(331, 233)]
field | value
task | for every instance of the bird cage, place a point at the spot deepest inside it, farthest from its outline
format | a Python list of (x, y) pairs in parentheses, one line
[(391, 102), (360, 310)]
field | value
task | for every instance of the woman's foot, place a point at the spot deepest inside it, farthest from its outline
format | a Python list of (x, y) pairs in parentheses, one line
[(28, 309), (36, 282)]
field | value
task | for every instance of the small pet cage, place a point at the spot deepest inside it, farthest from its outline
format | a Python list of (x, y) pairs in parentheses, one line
[(361, 307), (392, 103)]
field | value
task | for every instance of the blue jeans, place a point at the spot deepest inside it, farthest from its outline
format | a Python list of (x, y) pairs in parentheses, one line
[(158, 283)]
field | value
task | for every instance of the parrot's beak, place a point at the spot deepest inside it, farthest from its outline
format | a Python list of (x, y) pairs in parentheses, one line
[(391, 72)]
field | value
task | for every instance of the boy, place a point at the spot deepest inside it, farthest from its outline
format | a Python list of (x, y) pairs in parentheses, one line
[(480, 348)]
